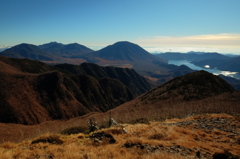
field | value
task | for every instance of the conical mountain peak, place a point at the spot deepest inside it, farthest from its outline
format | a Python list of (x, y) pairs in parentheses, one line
[(124, 51)]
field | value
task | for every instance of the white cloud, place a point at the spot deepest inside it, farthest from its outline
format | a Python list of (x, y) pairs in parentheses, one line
[(225, 43), (188, 49), (95, 48), (2, 48)]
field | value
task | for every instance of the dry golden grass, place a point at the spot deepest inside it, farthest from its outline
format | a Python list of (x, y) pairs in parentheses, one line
[(155, 140)]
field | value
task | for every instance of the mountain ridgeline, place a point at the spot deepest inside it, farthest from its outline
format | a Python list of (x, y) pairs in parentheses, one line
[(198, 92), (129, 77), (120, 51), (228, 64), (27, 51), (121, 54), (214, 60), (33, 92), (73, 50), (193, 86), (49, 53), (124, 51), (192, 56)]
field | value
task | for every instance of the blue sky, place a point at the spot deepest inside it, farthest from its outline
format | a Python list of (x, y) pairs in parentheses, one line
[(156, 25)]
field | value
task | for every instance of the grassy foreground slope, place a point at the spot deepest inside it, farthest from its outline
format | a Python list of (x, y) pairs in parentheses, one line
[(199, 136)]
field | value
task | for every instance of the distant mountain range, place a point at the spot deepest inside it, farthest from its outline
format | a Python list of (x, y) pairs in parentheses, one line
[(33, 92), (41, 83), (214, 60), (124, 54), (49, 53), (27, 51), (125, 51), (68, 51), (120, 51), (228, 64), (232, 81), (192, 56), (121, 54)]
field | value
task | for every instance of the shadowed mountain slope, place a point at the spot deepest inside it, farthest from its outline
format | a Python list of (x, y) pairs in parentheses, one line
[(129, 77), (121, 54), (128, 55), (73, 50), (25, 65), (196, 85), (210, 94), (195, 93), (27, 51), (32, 92), (214, 60), (232, 64), (233, 81), (124, 51), (191, 56), (49, 53), (181, 70), (32, 99)]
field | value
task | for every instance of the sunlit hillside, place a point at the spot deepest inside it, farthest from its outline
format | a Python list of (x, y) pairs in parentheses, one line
[(199, 136)]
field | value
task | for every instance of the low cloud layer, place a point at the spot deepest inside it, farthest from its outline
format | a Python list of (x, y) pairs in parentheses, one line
[(225, 43)]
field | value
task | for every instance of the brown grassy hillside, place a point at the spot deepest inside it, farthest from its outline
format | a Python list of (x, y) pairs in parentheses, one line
[(201, 135), (149, 106), (32, 92), (210, 136), (198, 92)]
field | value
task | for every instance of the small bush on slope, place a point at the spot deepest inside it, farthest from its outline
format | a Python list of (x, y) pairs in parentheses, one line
[(52, 139), (75, 130)]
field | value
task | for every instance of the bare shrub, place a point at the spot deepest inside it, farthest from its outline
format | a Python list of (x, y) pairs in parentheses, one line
[(8, 145), (140, 121), (103, 137), (238, 140), (75, 130), (115, 131), (157, 136), (53, 139)]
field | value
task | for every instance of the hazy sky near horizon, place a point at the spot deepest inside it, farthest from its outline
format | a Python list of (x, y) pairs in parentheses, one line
[(156, 25)]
